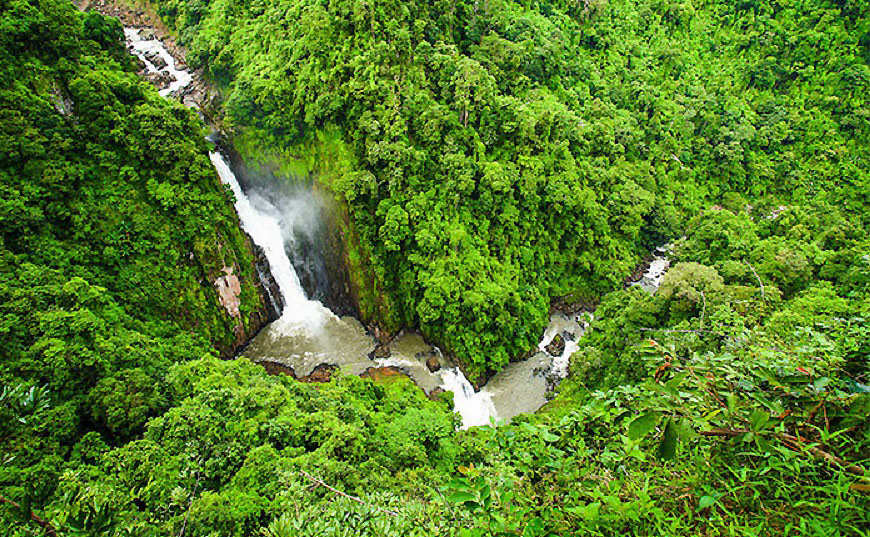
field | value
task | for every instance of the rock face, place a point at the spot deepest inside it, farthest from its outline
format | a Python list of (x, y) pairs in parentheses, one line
[(229, 288), (557, 346), (268, 286)]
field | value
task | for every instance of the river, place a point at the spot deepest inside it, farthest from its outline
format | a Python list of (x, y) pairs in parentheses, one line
[(278, 215)]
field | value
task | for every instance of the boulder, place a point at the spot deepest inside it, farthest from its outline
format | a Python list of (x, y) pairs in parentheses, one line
[(556, 347), (381, 351), (274, 368), (321, 373), (432, 363), (156, 59)]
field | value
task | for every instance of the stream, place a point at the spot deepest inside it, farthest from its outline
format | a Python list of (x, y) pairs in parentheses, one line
[(278, 215)]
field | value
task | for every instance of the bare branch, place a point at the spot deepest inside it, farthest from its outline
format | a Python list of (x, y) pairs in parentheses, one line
[(703, 311), (320, 482), (757, 278)]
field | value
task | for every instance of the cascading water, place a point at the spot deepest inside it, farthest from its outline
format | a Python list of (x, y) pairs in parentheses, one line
[(655, 273), (308, 334), (148, 50), (266, 232), (476, 408)]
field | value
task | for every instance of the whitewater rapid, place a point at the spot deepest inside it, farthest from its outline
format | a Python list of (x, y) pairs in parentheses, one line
[(145, 49)]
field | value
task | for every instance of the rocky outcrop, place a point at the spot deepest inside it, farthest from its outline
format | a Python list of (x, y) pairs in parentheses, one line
[(321, 373), (229, 289), (556, 346)]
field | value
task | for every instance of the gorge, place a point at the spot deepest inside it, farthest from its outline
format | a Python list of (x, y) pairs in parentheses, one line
[(310, 268)]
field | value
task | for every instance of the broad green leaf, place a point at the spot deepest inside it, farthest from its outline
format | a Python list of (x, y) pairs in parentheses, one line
[(764, 444), (731, 401), (675, 382), (684, 429), (549, 437), (668, 445), (821, 383), (642, 425), (706, 501), (460, 497), (758, 420), (460, 483)]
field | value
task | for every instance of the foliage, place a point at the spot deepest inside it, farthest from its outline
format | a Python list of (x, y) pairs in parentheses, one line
[(493, 156), (113, 223)]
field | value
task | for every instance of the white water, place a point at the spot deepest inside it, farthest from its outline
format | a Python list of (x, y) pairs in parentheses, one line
[(476, 408), (658, 267), (300, 313), (142, 47)]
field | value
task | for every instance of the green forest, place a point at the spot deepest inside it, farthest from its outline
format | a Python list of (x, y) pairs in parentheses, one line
[(491, 159)]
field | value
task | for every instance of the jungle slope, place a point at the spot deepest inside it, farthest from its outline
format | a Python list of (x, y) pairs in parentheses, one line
[(733, 402), (496, 155), (115, 233)]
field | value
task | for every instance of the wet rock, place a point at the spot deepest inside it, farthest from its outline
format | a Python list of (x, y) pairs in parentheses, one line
[(162, 79), (269, 289), (434, 394), (381, 351), (274, 368), (379, 334), (556, 347), (432, 363), (568, 336), (156, 59), (321, 373), (379, 374)]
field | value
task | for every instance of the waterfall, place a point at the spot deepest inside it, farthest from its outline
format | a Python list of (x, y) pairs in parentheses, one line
[(307, 333), (475, 407), (299, 313)]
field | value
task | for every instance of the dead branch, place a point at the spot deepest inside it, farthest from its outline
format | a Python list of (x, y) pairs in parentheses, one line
[(757, 278), (795, 444)]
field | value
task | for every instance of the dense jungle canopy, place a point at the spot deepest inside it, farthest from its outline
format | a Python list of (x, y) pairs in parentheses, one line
[(492, 158)]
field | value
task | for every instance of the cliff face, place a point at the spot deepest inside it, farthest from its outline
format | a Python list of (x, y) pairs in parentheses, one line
[(243, 319), (227, 292)]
